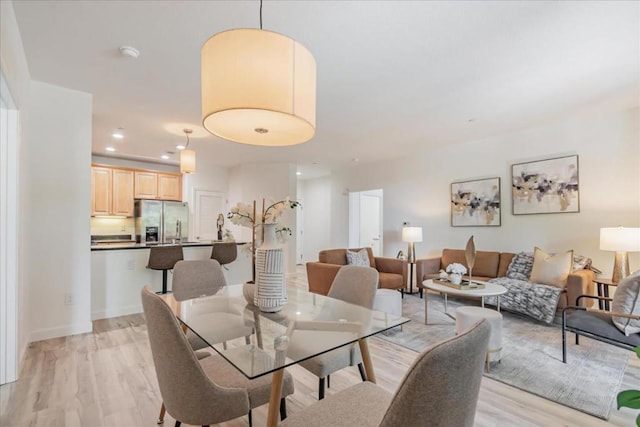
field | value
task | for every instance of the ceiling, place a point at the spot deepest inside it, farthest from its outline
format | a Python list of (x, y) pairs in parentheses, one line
[(393, 77)]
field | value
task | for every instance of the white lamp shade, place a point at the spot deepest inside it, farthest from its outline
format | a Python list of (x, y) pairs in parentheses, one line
[(187, 161), (258, 87), (620, 239), (412, 234)]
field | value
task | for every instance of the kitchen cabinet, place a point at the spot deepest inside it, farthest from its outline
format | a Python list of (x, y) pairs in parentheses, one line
[(111, 191), (158, 185)]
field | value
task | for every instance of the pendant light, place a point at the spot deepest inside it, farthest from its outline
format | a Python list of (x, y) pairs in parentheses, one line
[(258, 88), (187, 157)]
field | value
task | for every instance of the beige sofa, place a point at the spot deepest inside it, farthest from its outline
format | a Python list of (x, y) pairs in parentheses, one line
[(490, 265), (392, 272)]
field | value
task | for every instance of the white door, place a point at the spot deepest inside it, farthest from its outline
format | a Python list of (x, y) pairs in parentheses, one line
[(300, 233), (208, 205), (8, 236), (370, 224)]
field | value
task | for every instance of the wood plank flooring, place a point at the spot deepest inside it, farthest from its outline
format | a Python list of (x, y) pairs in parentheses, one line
[(107, 378)]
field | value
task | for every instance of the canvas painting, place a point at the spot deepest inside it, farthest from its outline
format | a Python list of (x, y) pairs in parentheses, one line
[(475, 203), (545, 186)]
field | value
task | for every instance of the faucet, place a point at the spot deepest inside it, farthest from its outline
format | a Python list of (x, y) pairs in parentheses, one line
[(178, 231)]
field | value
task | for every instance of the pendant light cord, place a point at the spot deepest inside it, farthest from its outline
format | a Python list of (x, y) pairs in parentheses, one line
[(187, 135), (260, 14)]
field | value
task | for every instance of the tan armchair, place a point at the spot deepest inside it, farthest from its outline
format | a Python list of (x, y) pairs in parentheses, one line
[(392, 272)]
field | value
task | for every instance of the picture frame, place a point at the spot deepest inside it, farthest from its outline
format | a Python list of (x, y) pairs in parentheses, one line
[(546, 186), (476, 203)]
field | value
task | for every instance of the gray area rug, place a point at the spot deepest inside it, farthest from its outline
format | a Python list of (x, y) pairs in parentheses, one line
[(531, 356)]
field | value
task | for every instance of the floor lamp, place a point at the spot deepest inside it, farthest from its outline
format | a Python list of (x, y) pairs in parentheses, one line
[(411, 235), (621, 240)]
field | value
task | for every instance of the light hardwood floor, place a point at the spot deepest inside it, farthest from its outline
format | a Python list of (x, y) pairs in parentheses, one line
[(106, 378)]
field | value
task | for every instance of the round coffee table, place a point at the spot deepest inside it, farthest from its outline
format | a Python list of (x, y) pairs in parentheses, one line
[(489, 290)]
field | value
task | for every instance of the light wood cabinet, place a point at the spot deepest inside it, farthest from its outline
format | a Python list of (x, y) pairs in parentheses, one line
[(111, 191), (158, 185)]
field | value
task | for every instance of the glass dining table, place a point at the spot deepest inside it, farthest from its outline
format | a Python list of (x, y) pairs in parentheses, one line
[(271, 347)]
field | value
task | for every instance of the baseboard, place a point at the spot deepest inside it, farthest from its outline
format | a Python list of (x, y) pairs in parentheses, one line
[(115, 312), (61, 331)]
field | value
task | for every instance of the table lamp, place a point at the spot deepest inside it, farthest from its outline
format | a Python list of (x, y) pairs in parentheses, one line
[(411, 235), (621, 240)]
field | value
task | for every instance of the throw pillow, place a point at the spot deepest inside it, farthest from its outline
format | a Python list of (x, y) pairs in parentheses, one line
[(360, 258), (520, 266), (551, 269), (625, 300), (580, 262)]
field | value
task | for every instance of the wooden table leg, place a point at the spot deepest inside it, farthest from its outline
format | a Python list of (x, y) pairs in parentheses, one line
[(366, 360), (277, 382)]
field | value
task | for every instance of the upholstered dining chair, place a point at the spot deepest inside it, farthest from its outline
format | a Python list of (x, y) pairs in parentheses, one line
[(352, 284), (200, 392), (164, 258), (440, 389), (225, 252)]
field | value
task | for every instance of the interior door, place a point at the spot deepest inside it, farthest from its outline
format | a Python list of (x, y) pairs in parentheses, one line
[(208, 205), (370, 224)]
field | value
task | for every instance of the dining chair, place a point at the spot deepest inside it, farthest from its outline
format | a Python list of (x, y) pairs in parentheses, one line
[(225, 252), (440, 389), (355, 285), (200, 392)]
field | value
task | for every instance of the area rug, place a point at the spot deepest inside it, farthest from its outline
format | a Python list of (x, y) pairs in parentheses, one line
[(531, 356)]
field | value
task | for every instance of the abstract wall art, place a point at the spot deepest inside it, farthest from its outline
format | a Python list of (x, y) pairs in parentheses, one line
[(475, 203), (545, 186)]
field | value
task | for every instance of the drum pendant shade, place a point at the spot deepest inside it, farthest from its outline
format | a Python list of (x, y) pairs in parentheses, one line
[(187, 161), (258, 87)]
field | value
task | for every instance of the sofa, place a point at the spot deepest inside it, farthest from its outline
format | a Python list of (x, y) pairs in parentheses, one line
[(492, 265), (392, 272)]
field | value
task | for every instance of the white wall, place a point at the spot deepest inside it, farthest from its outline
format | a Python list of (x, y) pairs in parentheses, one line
[(416, 189), (273, 182), (55, 191), (13, 64)]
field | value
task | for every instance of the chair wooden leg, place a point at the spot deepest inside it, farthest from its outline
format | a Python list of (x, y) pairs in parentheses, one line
[(363, 375), (321, 389), (283, 409), (162, 412)]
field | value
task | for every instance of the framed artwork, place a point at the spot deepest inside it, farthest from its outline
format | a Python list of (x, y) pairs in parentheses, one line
[(545, 186), (475, 203)]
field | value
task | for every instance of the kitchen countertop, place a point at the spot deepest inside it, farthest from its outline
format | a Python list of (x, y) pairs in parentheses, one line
[(131, 245)]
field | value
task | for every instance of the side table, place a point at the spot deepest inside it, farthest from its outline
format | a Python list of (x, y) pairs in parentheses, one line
[(603, 291)]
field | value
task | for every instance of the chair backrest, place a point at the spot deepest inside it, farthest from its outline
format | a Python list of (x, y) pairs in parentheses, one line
[(355, 285), (441, 387), (192, 279), (164, 257), (224, 253), (188, 394)]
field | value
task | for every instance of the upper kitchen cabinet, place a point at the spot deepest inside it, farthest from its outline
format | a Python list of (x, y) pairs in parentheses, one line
[(111, 191), (158, 185)]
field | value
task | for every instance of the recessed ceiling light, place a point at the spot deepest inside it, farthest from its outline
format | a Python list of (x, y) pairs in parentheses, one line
[(298, 173), (110, 149), (129, 51), (117, 135), (180, 147), (165, 157)]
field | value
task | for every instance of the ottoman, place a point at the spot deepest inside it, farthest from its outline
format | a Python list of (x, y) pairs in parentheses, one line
[(388, 301), (467, 316)]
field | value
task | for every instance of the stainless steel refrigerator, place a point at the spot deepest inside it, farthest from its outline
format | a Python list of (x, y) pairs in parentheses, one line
[(161, 221)]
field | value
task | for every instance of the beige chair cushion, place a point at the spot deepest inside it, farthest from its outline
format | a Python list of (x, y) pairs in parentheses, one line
[(626, 301), (551, 269), (361, 405)]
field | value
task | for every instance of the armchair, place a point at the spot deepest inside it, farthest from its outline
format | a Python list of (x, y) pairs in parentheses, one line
[(392, 272)]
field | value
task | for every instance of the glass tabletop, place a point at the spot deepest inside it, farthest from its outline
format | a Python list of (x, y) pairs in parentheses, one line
[(258, 343)]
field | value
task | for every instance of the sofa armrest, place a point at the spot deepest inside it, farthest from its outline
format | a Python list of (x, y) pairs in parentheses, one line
[(320, 276), (425, 267), (392, 265), (580, 283)]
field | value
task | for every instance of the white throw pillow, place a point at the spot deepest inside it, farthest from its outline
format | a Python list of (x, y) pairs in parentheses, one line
[(360, 258), (625, 300), (550, 269)]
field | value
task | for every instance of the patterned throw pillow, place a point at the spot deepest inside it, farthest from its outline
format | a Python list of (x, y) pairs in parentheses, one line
[(626, 300), (520, 267), (360, 258)]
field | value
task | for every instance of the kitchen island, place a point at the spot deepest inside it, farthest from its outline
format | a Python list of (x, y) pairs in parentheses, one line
[(118, 273)]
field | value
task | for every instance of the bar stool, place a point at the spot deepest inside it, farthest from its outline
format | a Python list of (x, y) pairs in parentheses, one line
[(164, 258), (224, 253)]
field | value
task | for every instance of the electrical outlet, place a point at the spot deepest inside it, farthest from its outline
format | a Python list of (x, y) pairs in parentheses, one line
[(68, 299), (122, 227)]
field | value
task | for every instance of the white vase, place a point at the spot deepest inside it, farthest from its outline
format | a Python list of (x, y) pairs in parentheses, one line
[(456, 279), (271, 290)]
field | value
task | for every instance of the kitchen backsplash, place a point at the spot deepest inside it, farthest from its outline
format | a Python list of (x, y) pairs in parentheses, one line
[(108, 226)]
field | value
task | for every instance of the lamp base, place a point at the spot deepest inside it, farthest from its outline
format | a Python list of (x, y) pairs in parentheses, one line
[(411, 253), (620, 267)]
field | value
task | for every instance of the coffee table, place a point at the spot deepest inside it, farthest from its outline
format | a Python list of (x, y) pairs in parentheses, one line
[(489, 290)]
